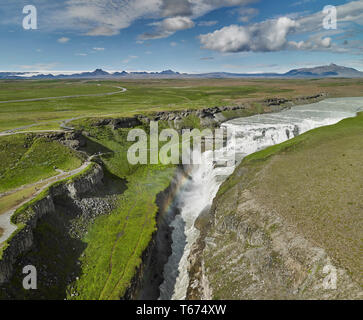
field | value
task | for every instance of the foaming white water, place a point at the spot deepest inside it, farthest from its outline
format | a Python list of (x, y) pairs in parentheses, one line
[(251, 134)]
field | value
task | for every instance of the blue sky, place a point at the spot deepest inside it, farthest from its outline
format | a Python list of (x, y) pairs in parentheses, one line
[(184, 35)]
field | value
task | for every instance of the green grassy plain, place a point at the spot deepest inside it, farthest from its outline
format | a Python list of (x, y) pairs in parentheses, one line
[(32, 89), (145, 96)]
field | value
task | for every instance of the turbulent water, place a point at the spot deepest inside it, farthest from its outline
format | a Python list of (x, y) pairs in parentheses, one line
[(251, 134)]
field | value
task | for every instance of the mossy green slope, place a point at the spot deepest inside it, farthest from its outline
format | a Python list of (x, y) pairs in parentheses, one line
[(26, 159), (115, 242)]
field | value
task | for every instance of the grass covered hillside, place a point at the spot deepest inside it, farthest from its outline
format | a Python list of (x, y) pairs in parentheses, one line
[(289, 215), (116, 242), (26, 158), (323, 173)]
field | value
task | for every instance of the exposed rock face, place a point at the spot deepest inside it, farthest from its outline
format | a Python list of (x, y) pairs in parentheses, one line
[(118, 123), (22, 241), (248, 251), (214, 116), (209, 117), (73, 139), (85, 184), (275, 101)]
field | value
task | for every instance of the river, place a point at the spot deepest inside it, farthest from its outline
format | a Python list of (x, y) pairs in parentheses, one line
[(251, 134)]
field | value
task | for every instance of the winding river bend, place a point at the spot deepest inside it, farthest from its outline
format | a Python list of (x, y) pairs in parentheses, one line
[(251, 134)]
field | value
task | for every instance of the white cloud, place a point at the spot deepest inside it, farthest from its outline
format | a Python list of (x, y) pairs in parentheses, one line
[(346, 13), (63, 40), (172, 8), (167, 27), (98, 49), (274, 34), (266, 36), (312, 44), (108, 17), (201, 7), (246, 14), (104, 17), (177, 23), (197, 8)]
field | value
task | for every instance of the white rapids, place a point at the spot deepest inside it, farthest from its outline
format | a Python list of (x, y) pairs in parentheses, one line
[(251, 134)]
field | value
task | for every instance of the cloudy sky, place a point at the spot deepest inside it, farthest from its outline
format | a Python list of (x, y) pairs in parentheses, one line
[(183, 35)]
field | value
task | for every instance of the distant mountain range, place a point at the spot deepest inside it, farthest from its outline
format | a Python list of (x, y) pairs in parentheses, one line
[(328, 71)]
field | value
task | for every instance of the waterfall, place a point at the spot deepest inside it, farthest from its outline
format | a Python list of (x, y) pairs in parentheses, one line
[(251, 134)]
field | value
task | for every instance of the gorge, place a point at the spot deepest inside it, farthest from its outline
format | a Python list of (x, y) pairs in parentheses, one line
[(173, 264)]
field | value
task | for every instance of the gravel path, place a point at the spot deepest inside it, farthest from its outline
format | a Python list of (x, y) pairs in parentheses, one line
[(5, 223)]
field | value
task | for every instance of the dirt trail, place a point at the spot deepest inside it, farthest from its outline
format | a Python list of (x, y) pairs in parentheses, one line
[(5, 223)]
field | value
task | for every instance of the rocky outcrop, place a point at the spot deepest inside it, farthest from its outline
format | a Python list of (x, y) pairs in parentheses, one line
[(22, 240), (209, 117), (71, 139), (281, 101), (214, 116), (118, 123)]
